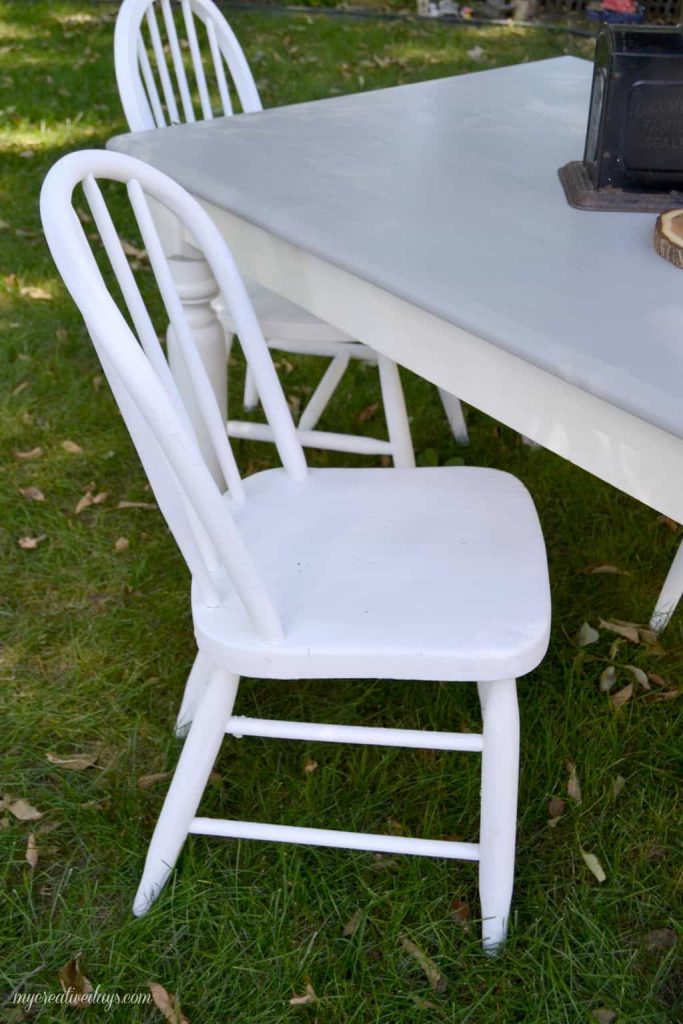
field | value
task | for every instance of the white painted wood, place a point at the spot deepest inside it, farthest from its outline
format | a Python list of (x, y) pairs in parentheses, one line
[(318, 732), (414, 574), (670, 594)]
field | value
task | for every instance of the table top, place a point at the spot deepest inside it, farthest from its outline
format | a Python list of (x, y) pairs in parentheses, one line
[(446, 194)]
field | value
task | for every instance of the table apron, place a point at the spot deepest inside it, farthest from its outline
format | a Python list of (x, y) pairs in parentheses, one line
[(640, 459)]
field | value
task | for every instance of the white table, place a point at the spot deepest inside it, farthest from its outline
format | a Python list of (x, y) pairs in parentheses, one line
[(428, 220)]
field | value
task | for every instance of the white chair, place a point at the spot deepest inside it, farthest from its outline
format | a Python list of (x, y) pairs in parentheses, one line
[(154, 94), (415, 574)]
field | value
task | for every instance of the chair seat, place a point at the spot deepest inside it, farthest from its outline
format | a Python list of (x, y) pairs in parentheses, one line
[(435, 573), (281, 319)]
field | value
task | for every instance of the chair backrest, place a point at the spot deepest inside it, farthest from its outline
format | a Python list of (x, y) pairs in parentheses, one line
[(136, 368), (171, 59)]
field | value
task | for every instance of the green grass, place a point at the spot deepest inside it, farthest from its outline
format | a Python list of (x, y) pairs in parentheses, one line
[(97, 645)]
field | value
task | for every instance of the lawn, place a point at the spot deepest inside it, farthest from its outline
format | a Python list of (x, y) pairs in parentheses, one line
[(97, 643)]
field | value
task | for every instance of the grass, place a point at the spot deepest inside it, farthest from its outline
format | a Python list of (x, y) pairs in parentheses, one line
[(97, 644)]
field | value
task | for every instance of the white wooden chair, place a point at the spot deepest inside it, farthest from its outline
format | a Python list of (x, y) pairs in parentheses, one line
[(415, 574), (156, 91)]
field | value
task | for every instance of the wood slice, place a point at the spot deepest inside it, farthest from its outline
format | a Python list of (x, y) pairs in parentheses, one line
[(669, 236)]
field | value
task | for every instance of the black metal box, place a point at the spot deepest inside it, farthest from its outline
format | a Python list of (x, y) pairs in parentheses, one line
[(635, 124)]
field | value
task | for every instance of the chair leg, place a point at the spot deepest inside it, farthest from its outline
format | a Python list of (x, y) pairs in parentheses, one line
[(320, 398), (670, 593), (455, 416), (251, 398), (194, 688), (499, 774), (188, 783), (395, 413)]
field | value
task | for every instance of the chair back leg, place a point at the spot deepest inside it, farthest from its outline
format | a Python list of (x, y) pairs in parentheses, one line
[(498, 824), (396, 414)]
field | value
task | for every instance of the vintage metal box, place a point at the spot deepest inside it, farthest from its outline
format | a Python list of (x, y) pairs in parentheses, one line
[(635, 125)]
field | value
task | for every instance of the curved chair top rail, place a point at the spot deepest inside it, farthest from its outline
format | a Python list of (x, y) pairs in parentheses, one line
[(145, 391), (158, 84)]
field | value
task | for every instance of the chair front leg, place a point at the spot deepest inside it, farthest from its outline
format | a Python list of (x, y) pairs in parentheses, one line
[(194, 687), (499, 777), (188, 783), (670, 593)]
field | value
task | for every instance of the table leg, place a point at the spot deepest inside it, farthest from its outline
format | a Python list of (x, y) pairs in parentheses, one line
[(197, 289)]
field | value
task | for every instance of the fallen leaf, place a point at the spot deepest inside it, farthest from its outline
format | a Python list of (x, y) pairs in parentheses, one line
[(368, 413), (32, 493), (621, 697), (586, 635), (307, 999), (132, 250), (121, 544), (424, 1004), (61, 334), (594, 865), (603, 1015), (19, 388), (22, 810), (628, 630), (31, 851), (670, 524), (556, 807), (573, 785), (71, 447), (476, 53), (661, 938), (167, 1003), (147, 781), (351, 926), (136, 504), (615, 647), (89, 499), (31, 453), (603, 568), (434, 976), (639, 676), (27, 154), (31, 543), (650, 639), (608, 678), (618, 785), (74, 763), (310, 766), (460, 912), (35, 292), (657, 680), (77, 987), (662, 695)]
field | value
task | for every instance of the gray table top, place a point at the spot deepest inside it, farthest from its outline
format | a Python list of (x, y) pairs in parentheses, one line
[(446, 194)]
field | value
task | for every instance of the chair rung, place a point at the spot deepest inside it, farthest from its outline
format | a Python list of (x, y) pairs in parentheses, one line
[(355, 444), (239, 726), (330, 837)]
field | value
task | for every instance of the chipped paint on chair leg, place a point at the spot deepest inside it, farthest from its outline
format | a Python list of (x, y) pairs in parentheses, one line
[(187, 786)]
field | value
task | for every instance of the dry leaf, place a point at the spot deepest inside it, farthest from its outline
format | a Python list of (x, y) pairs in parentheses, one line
[(31, 543), (650, 639), (31, 453), (628, 630), (621, 697), (586, 635), (167, 1003), (35, 292), (72, 448), (31, 851), (121, 544), (608, 678), (594, 865), (460, 912), (556, 807), (368, 413), (27, 154), (136, 504), (22, 810), (436, 979), (351, 926), (604, 1016), (657, 680), (618, 785), (573, 785), (74, 763), (32, 493), (310, 766), (89, 499), (661, 938), (670, 524), (132, 250), (307, 999), (639, 676), (147, 781), (604, 569), (75, 983)]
